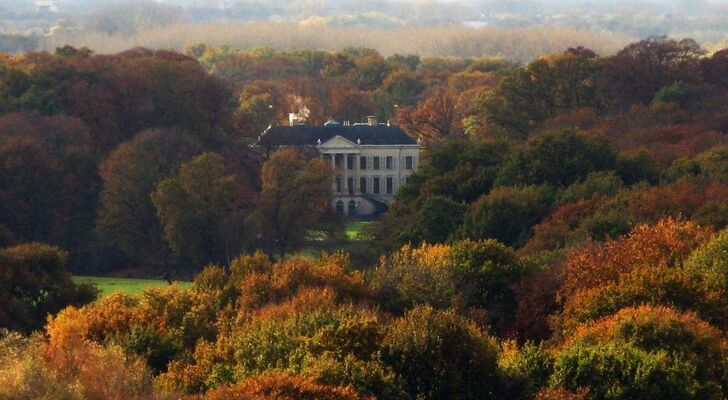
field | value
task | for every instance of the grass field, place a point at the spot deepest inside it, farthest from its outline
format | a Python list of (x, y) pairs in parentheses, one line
[(134, 286), (353, 229), (125, 285)]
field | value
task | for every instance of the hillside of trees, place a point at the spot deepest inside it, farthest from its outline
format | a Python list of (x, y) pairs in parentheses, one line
[(566, 236)]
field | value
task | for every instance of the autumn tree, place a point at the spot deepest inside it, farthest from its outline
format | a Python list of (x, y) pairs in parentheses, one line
[(127, 217), (541, 90), (638, 71), (201, 209), (296, 192), (436, 119), (37, 196)]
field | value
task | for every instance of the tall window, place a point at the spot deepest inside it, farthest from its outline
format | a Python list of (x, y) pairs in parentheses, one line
[(362, 162), (408, 162), (363, 185), (390, 162), (340, 207), (375, 162), (390, 185), (350, 185), (349, 162), (337, 160), (338, 184), (375, 185)]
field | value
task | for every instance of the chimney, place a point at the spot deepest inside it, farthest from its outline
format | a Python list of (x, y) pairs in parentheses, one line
[(372, 120)]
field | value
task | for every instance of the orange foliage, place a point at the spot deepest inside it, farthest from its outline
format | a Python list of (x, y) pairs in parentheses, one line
[(112, 317), (609, 328), (666, 243), (289, 277), (103, 373), (682, 197), (558, 228), (283, 387)]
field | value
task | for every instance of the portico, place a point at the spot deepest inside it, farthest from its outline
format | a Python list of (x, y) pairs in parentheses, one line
[(370, 162)]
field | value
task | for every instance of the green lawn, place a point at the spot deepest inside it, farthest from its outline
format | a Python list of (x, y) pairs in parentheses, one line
[(353, 229), (125, 285)]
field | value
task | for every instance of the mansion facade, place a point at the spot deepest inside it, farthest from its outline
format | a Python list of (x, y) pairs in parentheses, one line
[(371, 161)]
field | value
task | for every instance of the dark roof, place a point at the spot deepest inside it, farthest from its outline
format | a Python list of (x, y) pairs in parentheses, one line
[(301, 135)]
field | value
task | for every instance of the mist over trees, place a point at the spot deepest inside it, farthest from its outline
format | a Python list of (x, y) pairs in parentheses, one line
[(518, 30)]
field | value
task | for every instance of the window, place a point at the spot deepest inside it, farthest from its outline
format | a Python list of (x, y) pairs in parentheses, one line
[(363, 185), (375, 185), (349, 162), (350, 185), (338, 184), (390, 185), (362, 162), (352, 208), (337, 161), (375, 161), (340, 207), (390, 162), (408, 162)]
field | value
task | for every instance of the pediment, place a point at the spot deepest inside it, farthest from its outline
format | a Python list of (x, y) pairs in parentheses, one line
[(338, 142)]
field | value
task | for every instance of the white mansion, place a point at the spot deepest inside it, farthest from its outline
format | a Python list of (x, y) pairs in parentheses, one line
[(371, 160)]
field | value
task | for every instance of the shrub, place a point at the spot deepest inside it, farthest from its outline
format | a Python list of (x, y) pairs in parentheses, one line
[(23, 375), (281, 337), (415, 275), (34, 283), (441, 355)]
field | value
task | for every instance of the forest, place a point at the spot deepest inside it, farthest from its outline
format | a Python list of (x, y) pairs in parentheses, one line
[(566, 236)]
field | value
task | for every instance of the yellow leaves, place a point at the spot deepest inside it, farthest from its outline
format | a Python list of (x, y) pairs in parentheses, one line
[(103, 373)]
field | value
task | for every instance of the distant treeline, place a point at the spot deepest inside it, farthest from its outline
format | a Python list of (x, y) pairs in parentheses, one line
[(520, 44)]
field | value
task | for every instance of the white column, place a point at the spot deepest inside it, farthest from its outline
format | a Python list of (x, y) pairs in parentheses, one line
[(345, 165), (357, 173)]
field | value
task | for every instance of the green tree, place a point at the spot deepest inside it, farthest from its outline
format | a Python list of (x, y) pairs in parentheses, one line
[(441, 355), (202, 208), (559, 159), (34, 283), (437, 220), (507, 214)]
